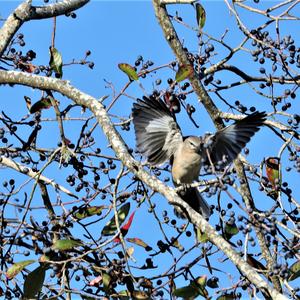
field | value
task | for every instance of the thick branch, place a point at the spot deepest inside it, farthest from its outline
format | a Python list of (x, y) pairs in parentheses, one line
[(122, 153), (175, 44), (25, 12), (177, 1), (55, 9)]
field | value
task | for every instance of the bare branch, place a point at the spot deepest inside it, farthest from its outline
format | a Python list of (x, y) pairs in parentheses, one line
[(27, 171), (25, 12), (122, 153)]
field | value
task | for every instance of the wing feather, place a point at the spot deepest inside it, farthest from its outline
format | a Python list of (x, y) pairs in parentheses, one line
[(228, 142), (157, 133)]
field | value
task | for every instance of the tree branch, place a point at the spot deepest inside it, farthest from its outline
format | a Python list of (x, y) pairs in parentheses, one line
[(118, 145), (25, 12), (175, 44), (27, 171)]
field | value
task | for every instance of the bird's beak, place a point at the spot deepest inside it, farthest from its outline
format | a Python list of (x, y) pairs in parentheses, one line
[(199, 149)]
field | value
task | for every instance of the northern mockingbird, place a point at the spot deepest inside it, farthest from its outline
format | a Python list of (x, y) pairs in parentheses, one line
[(159, 138)]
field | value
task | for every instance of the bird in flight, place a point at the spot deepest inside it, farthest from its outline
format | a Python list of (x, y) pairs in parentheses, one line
[(159, 139)]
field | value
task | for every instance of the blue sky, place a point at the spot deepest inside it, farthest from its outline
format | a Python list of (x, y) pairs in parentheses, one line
[(120, 31)]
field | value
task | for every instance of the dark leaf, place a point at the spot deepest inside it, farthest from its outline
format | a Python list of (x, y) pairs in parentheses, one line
[(230, 296), (230, 230), (44, 103), (28, 102), (110, 228), (201, 15), (255, 263), (31, 139), (34, 282), (129, 71)]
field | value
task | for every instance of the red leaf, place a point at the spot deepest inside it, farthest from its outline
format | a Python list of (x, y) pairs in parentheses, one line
[(125, 228), (272, 170), (96, 281)]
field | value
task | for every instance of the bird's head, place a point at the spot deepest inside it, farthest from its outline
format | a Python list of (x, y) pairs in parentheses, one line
[(194, 144)]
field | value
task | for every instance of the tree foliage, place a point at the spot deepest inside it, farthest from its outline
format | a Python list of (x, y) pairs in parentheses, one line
[(85, 216)]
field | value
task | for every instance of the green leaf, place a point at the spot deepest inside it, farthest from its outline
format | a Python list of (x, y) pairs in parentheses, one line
[(88, 212), (140, 295), (186, 292), (230, 296), (129, 71), (138, 242), (201, 15), (184, 72), (110, 228), (177, 245), (230, 230), (66, 244), (193, 290), (200, 284), (56, 61), (17, 268), (201, 237), (294, 271), (43, 258), (34, 282), (201, 280), (135, 295), (106, 279), (44, 103), (122, 295)]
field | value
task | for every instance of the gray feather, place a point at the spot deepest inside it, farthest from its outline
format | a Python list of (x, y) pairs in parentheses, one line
[(229, 141), (157, 133), (194, 199)]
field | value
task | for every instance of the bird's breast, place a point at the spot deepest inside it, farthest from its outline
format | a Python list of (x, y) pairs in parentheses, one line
[(186, 168)]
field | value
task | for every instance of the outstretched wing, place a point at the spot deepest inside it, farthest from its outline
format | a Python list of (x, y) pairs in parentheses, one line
[(226, 144), (157, 133)]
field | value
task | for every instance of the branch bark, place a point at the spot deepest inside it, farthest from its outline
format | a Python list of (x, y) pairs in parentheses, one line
[(119, 147), (175, 44), (26, 12), (26, 170)]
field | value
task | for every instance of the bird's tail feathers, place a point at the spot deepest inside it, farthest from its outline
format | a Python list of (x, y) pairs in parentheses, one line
[(195, 200)]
